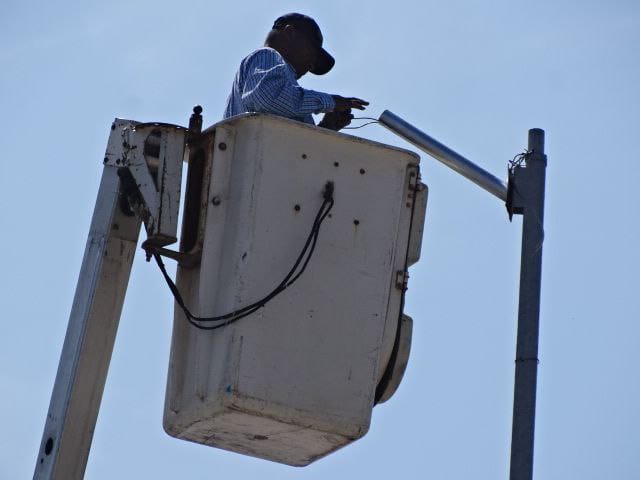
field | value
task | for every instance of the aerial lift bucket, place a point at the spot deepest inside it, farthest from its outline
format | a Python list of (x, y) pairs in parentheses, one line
[(297, 378)]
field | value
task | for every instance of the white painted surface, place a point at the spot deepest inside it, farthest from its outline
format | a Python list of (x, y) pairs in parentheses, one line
[(160, 190), (295, 380)]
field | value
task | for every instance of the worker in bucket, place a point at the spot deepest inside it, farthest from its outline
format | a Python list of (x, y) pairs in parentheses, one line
[(267, 80)]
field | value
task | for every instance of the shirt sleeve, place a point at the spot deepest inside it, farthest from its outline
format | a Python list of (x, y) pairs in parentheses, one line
[(270, 87)]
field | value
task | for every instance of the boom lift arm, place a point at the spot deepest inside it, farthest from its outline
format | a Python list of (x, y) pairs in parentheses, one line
[(140, 182)]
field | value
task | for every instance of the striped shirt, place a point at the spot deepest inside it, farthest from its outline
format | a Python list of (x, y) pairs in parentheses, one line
[(266, 83)]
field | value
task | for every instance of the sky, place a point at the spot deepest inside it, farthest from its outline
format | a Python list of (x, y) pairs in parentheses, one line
[(476, 76)]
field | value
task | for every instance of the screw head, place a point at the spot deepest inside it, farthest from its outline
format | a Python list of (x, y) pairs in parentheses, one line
[(222, 146), (216, 201)]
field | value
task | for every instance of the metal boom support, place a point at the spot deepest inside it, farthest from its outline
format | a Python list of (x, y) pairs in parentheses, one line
[(91, 333), (151, 186)]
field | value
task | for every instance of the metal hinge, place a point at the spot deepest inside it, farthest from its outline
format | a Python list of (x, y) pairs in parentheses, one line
[(414, 178), (402, 280)]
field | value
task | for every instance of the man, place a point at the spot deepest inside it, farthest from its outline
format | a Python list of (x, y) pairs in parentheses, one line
[(267, 80)]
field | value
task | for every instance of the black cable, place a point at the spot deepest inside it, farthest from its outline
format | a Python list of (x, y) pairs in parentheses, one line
[(313, 246), (360, 126), (236, 315), (248, 310), (365, 118), (375, 120), (519, 160), (245, 311)]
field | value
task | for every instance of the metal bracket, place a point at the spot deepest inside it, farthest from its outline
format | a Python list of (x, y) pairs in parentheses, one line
[(143, 170), (414, 177), (152, 154), (184, 259), (516, 183), (402, 280)]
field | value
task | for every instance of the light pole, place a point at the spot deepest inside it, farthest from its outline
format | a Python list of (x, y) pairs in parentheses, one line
[(523, 195)]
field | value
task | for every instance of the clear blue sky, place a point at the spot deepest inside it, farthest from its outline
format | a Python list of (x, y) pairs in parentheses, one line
[(475, 75)]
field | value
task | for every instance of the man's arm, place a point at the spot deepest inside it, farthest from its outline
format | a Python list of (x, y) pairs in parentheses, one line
[(270, 87)]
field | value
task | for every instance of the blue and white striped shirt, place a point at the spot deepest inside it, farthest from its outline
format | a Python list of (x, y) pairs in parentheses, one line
[(266, 83)]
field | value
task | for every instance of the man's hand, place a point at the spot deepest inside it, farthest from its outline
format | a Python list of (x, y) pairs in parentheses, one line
[(343, 103), (336, 119), (341, 115)]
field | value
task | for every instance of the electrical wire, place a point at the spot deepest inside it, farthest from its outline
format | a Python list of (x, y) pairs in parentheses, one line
[(359, 126), (290, 278), (518, 160), (374, 120), (365, 118)]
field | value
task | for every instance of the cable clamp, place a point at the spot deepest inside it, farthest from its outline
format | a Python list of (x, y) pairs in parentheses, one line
[(402, 280), (527, 359)]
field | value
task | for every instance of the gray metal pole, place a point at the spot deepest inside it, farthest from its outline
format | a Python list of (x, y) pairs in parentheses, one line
[(444, 154), (529, 188)]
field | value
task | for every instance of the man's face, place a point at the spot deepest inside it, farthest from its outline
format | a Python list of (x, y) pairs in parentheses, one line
[(303, 53)]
